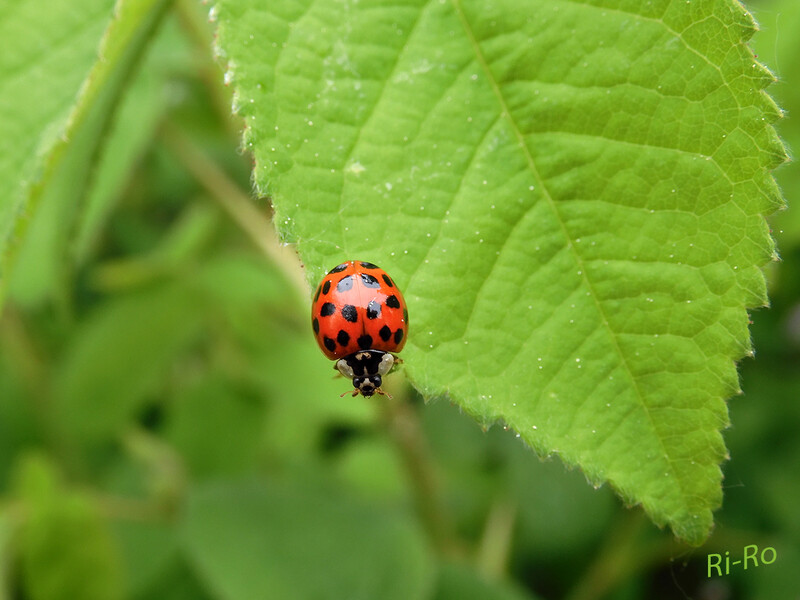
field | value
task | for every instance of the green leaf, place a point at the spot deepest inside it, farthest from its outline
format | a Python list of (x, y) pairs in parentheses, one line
[(216, 427), (119, 356), (571, 195), (18, 419), (149, 550), (8, 529), (66, 166), (135, 120), (457, 582), (54, 47), (251, 540), (66, 551), (177, 582)]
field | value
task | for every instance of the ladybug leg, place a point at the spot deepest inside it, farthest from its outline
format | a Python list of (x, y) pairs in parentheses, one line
[(354, 393)]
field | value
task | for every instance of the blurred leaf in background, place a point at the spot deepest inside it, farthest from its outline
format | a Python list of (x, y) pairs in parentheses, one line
[(66, 549), (51, 57)]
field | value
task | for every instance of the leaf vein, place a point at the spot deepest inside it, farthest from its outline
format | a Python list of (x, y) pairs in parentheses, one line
[(505, 112)]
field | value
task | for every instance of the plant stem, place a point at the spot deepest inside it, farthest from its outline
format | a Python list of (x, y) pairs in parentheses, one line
[(402, 422), (30, 362), (238, 206), (625, 554), (119, 508), (495, 547), (201, 35)]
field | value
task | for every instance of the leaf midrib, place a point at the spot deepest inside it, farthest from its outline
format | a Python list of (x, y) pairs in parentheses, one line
[(505, 112)]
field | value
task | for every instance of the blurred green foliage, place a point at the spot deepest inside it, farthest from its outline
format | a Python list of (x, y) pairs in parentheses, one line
[(169, 430)]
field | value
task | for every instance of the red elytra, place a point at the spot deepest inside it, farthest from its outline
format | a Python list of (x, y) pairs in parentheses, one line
[(360, 320)]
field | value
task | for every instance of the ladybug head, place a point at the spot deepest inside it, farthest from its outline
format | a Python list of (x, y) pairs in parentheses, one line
[(366, 368), (368, 385)]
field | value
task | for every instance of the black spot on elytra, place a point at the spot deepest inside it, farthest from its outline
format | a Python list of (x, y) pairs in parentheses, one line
[(387, 280), (393, 302), (345, 284), (315, 325), (350, 313), (343, 338), (368, 265), (327, 309), (329, 344), (338, 268), (398, 336), (405, 315), (369, 281), (316, 296), (373, 310), (326, 287), (385, 333), (365, 342)]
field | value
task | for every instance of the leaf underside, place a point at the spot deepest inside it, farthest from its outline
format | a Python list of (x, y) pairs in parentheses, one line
[(572, 196)]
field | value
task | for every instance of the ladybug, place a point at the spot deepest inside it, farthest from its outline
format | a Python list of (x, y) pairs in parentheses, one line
[(360, 320)]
